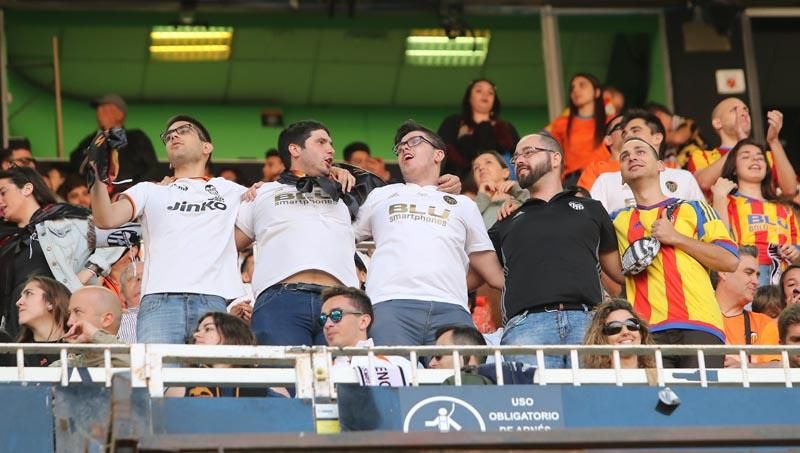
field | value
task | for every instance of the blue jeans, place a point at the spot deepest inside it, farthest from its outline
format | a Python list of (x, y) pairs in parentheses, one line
[(546, 328), (172, 318), (408, 322), (287, 317)]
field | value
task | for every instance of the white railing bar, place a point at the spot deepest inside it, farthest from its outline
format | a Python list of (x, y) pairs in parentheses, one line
[(787, 369), (498, 367), (457, 368), (573, 358), (660, 368), (617, 367), (744, 365), (701, 362), (107, 366), (541, 370), (373, 375), (414, 375)]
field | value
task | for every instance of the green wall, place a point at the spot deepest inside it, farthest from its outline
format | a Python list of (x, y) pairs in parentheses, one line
[(236, 129)]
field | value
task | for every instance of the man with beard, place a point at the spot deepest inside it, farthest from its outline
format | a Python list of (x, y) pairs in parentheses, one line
[(560, 240)]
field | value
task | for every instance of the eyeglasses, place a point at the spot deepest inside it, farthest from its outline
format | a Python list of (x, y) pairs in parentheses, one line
[(411, 142), (617, 127), (22, 162), (528, 152), (336, 316), (181, 131), (615, 327)]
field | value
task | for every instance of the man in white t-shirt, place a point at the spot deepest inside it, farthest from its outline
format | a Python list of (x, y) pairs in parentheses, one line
[(304, 239), (426, 242), (346, 318), (190, 253), (614, 194)]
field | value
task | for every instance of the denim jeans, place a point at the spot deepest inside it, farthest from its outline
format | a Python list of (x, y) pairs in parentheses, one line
[(546, 328), (408, 322), (172, 318), (287, 317)]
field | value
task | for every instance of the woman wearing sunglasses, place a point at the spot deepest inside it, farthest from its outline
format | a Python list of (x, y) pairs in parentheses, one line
[(616, 323)]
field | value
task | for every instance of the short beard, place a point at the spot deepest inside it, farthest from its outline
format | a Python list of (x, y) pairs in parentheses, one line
[(534, 174)]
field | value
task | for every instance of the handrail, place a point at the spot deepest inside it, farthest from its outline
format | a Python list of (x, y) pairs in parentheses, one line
[(311, 370)]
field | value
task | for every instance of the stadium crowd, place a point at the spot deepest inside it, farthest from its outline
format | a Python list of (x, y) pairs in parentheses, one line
[(607, 226)]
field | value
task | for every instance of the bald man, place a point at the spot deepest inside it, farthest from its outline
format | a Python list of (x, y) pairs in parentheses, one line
[(732, 123), (95, 314)]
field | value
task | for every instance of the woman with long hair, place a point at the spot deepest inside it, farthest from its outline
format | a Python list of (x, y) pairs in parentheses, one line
[(43, 309), (582, 128), (616, 323), (217, 328), (476, 129), (744, 197), (42, 237)]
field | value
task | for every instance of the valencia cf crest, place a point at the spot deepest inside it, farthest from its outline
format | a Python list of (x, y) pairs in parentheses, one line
[(450, 200), (672, 186)]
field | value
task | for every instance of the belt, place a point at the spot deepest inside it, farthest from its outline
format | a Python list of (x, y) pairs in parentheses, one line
[(307, 287), (559, 307)]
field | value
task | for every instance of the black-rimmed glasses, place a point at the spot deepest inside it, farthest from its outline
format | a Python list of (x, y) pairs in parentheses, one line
[(411, 142), (181, 131)]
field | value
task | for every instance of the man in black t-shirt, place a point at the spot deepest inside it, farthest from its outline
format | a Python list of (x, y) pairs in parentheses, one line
[(551, 248)]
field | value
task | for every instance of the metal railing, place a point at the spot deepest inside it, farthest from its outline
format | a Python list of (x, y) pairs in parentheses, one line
[(312, 372)]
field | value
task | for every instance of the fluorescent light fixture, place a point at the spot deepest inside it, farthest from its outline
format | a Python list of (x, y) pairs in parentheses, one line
[(190, 43), (432, 47)]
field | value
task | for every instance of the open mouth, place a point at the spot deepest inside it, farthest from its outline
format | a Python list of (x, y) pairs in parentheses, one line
[(407, 156)]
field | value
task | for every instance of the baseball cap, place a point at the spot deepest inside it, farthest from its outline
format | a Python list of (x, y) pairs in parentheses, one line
[(113, 99)]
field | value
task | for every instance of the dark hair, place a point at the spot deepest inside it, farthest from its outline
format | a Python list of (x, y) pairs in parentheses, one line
[(20, 176), (72, 181), (497, 156), (54, 293), (296, 134), (654, 107), (5, 154), (768, 300), (607, 126), (203, 132), (466, 106), (748, 250), (433, 137), (783, 278), (599, 108), (353, 147), (235, 171), (357, 297), (465, 336), (232, 330), (789, 317), (652, 122), (19, 143), (595, 335), (729, 168), (272, 152)]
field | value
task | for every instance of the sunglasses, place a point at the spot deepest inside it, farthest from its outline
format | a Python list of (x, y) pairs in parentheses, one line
[(615, 327), (335, 315)]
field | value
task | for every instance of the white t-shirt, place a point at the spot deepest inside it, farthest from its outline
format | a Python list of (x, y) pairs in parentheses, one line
[(423, 238), (297, 231), (188, 232), (614, 194)]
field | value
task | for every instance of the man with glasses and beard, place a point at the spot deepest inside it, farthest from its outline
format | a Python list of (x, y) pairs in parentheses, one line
[(551, 248)]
